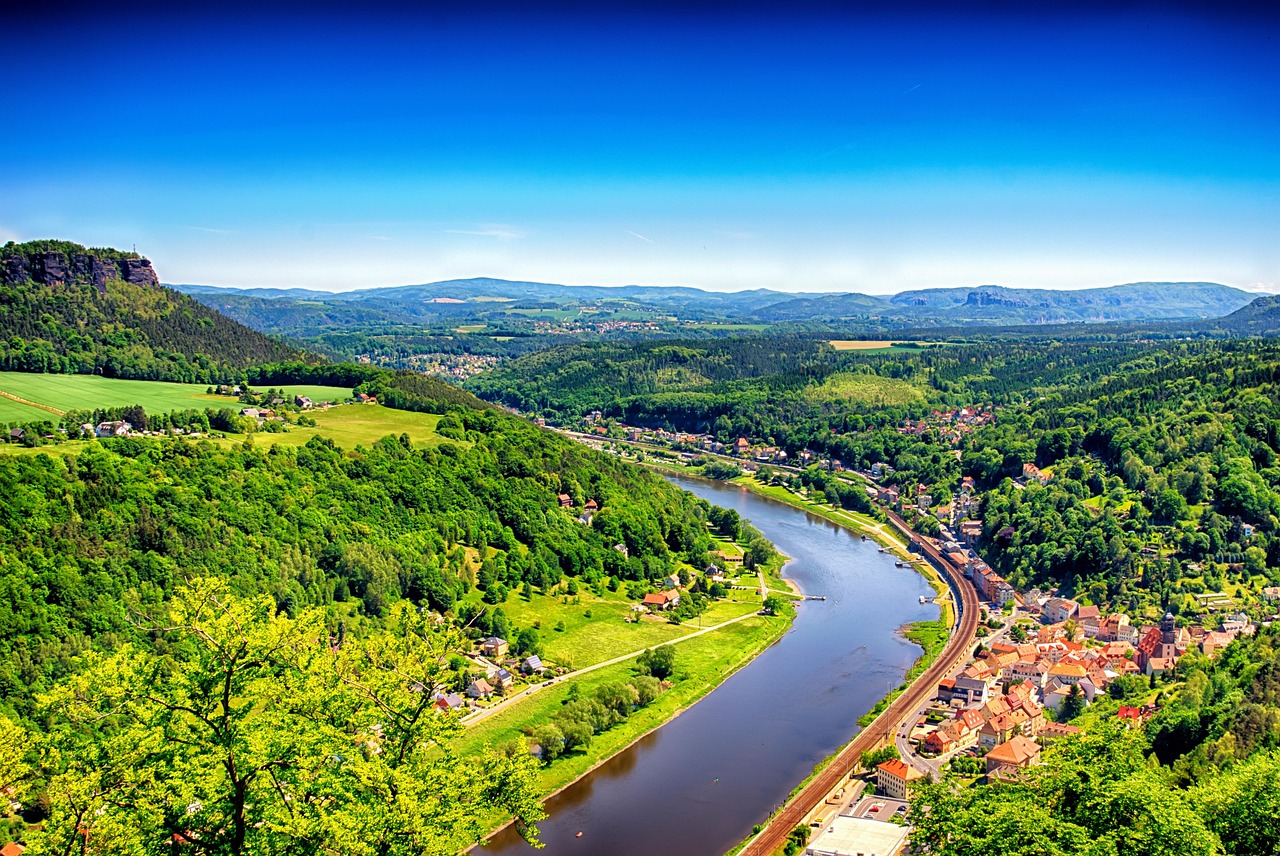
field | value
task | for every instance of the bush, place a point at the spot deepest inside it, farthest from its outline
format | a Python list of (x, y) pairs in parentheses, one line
[(659, 662)]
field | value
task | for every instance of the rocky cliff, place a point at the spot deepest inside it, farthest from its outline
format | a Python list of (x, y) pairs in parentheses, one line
[(19, 263), (69, 308)]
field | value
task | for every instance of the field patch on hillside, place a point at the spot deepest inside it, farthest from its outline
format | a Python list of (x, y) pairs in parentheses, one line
[(354, 425), (16, 411), (866, 388), (88, 392)]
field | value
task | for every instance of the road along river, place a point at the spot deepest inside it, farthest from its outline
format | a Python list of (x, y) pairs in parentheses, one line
[(697, 785)]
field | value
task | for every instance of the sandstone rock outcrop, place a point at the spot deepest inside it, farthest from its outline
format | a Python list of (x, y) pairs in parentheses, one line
[(56, 268)]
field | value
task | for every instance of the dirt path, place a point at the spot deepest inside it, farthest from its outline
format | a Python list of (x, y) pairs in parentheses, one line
[(503, 705), (55, 411)]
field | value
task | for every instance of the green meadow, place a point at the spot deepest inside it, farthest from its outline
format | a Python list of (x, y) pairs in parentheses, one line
[(87, 392)]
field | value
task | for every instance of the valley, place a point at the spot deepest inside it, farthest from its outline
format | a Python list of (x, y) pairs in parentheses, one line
[(594, 615)]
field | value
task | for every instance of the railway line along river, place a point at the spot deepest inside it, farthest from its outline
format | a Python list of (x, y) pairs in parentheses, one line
[(697, 785)]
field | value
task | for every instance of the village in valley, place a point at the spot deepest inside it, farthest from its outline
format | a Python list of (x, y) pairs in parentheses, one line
[(1042, 660)]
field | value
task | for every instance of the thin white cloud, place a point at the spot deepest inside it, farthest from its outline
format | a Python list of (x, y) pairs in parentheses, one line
[(914, 88), (638, 235), (496, 230), (212, 231)]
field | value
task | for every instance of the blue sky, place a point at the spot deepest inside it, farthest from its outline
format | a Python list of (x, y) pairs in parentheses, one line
[(738, 147)]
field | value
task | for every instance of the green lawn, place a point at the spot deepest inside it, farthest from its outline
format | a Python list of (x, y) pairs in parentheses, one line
[(701, 665), (352, 425), (348, 426), (603, 635), (86, 392)]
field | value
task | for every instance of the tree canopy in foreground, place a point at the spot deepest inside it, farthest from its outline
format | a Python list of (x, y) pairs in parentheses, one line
[(242, 730)]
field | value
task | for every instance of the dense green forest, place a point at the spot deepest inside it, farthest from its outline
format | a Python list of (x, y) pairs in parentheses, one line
[(1162, 454), (1202, 777), (88, 538), (66, 308)]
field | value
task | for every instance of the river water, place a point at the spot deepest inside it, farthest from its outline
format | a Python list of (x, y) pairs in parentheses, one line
[(696, 786)]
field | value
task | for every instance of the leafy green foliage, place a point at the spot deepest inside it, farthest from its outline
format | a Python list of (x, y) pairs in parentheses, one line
[(248, 731), (658, 662), (1096, 795), (352, 532)]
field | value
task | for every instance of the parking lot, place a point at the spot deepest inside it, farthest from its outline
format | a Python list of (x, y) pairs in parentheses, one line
[(876, 808)]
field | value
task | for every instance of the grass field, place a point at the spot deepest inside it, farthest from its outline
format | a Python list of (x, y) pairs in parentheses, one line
[(868, 388), (13, 411), (348, 426), (594, 629), (877, 344), (86, 392), (357, 424), (701, 665)]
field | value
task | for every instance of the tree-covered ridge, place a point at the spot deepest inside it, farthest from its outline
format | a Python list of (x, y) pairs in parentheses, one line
[(95, 319), (1170, 461), (1202, 777), (1161, 456), (67, 248), (353, 532)]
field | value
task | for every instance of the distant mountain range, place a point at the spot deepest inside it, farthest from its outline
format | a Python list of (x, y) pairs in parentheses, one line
[(302, 311)]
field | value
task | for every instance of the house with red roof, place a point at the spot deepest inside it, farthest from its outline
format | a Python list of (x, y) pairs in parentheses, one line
[(893, 777)]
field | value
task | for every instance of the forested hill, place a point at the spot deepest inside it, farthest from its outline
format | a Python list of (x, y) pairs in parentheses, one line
[(89, 541), (68, 308), (1259, 318), (1162, 456)]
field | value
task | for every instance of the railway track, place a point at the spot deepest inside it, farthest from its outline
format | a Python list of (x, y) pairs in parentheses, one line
[(774, 835)]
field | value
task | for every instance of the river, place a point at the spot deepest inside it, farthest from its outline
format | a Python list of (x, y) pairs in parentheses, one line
[(697, 785)]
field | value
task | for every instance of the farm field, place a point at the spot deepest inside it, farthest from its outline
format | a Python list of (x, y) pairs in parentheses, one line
[(348, 426), (881, 346), (86, 392), (354, 425), (16, 411)]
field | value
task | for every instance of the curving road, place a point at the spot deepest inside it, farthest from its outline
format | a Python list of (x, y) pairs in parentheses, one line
[(903, 709)]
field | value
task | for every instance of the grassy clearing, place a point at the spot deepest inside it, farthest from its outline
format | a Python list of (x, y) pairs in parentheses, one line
[(87, 392), (861, 344), (348, 426), (594, 629), (354, 425), (880, 344), (701, 665), (757, 328), (868, 388)]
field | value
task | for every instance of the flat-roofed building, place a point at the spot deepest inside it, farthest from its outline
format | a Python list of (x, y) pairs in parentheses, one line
[(858, 836)]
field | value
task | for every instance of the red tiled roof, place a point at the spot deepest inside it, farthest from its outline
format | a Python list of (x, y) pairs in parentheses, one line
[(897, 768)]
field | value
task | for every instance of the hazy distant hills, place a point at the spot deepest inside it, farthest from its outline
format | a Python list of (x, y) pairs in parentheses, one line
[(1259, 318), (994, 304), (301, 311)]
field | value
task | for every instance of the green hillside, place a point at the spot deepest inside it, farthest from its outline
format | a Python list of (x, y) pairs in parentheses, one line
[(68, 309), (91, 392)]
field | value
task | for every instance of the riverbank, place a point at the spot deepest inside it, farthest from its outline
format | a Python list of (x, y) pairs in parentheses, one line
[(879, 531), (931, 636), (702, 664)]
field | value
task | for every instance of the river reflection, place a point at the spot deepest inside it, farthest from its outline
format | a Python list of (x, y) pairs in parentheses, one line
[(696, 786)]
